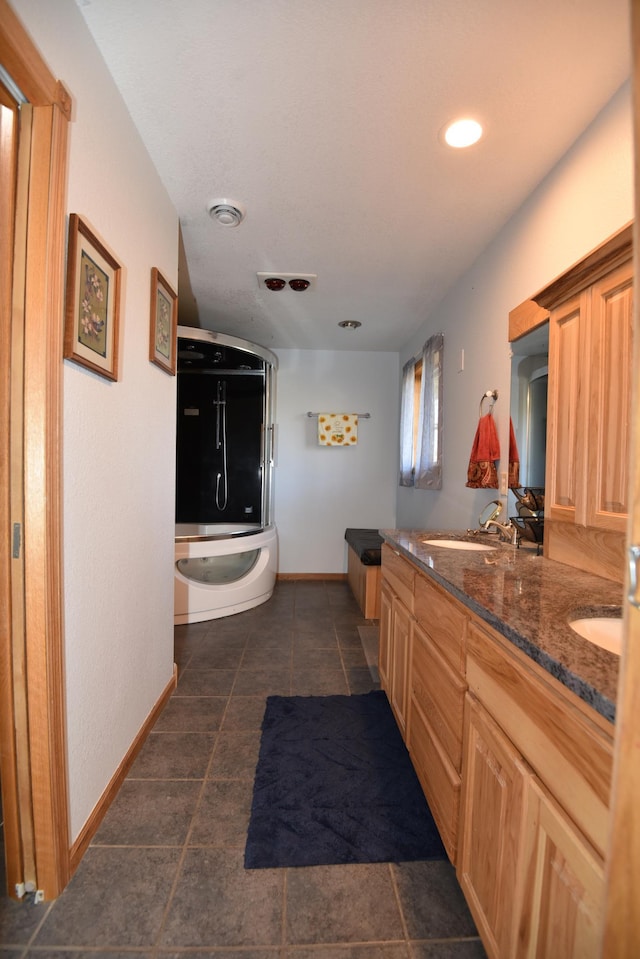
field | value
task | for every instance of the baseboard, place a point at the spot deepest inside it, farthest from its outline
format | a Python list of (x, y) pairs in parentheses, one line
[(311, 576), (90, 828)]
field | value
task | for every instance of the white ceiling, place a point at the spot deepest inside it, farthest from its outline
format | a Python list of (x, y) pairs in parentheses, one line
[(324, 118)]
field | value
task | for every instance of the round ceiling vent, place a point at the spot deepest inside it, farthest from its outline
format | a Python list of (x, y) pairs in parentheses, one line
[(227, 212)]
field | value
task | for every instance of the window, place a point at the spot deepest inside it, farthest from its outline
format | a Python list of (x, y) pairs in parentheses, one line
[(421, 418)]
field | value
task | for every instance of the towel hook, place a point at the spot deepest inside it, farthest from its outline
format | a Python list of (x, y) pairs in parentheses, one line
[(490, 394)]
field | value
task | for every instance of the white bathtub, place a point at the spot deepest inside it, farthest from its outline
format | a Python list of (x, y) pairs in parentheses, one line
[(221, 569)]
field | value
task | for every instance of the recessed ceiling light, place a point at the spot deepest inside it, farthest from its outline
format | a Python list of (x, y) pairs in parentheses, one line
[(349, 324), (463, 133)]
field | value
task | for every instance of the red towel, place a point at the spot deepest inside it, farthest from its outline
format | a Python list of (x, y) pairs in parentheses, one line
[(514, 459), (482, 473)]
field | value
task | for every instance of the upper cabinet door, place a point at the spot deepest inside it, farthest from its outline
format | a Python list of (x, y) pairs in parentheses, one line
[(611, 356), (567, 399)]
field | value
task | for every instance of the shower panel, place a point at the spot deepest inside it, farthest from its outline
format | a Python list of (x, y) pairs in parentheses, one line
[(226, 544)]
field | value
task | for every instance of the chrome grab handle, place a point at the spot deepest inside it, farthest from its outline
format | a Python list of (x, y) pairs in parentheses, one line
[(634, 568)]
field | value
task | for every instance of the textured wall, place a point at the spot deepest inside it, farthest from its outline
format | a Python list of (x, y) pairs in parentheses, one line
[(319, 490), (118, 437), (587, 197)]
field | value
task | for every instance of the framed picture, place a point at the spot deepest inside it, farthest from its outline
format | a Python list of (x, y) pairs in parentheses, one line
[(92, 320), (164, 323)]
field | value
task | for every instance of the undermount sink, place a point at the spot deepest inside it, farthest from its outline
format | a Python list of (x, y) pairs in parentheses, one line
[(603, 631), (458, 544)]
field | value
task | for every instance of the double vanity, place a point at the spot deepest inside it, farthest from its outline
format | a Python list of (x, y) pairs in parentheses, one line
[(507, 710)]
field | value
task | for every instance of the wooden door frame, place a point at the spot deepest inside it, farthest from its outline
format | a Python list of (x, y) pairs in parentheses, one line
[(43, 340)]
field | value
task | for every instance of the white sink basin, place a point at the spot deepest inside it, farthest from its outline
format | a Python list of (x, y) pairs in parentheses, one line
[(458, 544), (603, 631)]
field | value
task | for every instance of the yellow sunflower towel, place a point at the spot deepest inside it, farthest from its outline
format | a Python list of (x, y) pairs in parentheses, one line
[(337, 429)]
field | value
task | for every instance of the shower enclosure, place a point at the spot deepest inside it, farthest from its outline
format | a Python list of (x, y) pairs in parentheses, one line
[(226, 542)]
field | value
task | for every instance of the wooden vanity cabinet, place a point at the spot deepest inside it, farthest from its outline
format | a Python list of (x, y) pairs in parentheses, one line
[(535, 808), (437, 687), (396, 631), (589, 420)]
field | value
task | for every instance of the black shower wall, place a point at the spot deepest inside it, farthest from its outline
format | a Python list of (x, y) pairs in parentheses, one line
[(198, 462)]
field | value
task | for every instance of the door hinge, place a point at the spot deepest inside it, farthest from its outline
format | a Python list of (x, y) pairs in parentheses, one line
[(17, 540)]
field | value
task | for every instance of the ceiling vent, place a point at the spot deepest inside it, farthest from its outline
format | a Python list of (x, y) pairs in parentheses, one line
[(227, 212)]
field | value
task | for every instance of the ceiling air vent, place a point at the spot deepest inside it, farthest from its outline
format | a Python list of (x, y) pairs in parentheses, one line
[(227, 212)]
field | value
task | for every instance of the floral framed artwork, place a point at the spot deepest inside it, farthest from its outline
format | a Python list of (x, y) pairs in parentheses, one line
[(164, 323), (92, 317)]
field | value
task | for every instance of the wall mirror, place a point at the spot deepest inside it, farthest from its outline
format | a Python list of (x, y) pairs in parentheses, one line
[(528, 407)]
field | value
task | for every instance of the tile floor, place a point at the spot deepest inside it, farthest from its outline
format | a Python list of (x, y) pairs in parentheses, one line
[(164, 875)]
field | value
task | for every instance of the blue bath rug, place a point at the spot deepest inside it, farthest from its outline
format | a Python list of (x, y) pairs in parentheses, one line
[(334, 784)]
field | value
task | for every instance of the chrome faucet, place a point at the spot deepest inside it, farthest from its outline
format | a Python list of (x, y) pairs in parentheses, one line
[(506, 531)]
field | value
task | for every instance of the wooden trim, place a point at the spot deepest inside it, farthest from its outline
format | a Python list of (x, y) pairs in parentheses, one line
[(92, 824), (22, 61), (610, 254), (534, 312), (9, 202), (43, 323), (526, 317), (43, 515), (622, 917), (311, 576)]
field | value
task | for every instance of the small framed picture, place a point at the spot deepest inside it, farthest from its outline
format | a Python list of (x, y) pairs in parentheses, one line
[(164, 323), (92, 316)]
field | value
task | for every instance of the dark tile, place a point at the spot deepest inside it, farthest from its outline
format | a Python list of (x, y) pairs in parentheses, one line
[(173, 756), (342, 904), (116, 898), (432, 901), (274, 953), (217, 656), (266, 681), (244, 712), (235, 755), (205, 682), (348, 636), (258, 657), (362, 680), (83, 954), (220, 903), (271, 637), (318, 682), (19, 918), (196, 714), (353, 657), (223, 814), (149, 813), (305, 657), (318, 637), (391, 951), (461, 949)]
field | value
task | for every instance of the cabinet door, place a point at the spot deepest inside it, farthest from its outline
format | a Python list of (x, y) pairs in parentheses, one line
[(566, 409), (563, 890), (611, 354), (384, 665), (400, 652), (494, 778)]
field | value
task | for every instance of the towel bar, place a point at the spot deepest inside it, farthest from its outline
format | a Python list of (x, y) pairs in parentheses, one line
[(362, 416)]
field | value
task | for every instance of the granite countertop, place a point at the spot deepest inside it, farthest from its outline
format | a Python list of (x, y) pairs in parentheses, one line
[(527, 599)]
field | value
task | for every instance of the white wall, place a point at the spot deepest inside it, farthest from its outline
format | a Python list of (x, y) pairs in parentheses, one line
[(118, 437), (320, 491), (584, 200)]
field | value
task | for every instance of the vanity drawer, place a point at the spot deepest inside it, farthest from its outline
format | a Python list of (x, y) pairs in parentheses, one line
[(439, 780), (400, 575), (439, 692), (570, 754), (443, 621)]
